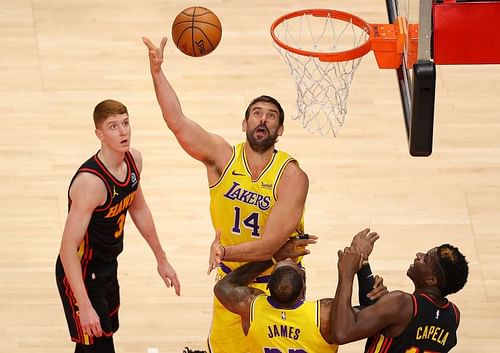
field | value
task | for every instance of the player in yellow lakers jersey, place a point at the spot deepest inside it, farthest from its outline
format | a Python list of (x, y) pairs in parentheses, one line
[(424, 321), (257, 193), (283, 321), (104, 189), (240, 207)]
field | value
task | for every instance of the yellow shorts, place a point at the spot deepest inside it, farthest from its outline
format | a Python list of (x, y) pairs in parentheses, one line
[(226, 334)]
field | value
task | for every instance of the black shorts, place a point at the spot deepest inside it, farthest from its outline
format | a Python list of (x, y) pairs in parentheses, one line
[(103, 290)]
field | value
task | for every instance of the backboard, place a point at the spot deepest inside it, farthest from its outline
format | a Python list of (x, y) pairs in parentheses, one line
[(417, 73)]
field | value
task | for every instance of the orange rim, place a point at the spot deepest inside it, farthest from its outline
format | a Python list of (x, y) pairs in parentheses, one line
[(344, 55)]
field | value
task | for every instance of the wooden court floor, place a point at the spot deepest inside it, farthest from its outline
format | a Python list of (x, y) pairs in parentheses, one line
[(58, 58)]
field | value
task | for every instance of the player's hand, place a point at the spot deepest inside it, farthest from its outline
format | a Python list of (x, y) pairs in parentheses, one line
[(365, 241), (350, 261), (155, 53), (379, 289), (168, 275), (216, 253), (89, 320), (295, 247)]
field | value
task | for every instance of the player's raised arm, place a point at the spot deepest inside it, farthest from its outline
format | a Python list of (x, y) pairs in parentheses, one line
[(349, 325), (206, 147)]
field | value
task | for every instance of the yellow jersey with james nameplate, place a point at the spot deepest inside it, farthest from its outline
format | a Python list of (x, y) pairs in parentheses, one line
[(240, 205), (282, 330)]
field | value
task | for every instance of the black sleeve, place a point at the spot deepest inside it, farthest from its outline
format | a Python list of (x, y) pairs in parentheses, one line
[(365, 284)]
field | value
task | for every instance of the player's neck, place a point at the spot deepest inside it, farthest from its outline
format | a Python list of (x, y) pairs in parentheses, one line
[(114, 161), (257, 161), (433, 293)]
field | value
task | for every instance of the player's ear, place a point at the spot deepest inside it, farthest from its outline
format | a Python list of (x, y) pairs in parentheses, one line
[(244, 125), (281, 129), (431, 281), (99, 134)]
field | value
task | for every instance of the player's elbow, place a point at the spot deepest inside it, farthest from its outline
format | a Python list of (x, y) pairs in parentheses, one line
[(173, 123), (339, 334), (220, 290)]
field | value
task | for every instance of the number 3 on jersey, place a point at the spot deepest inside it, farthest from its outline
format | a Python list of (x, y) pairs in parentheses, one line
[(119, 223), (251, 222)]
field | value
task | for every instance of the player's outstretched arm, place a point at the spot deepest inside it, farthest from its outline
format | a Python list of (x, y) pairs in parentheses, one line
[(369, 291), (197, 142), (346, 324), (233, 291), (293, 248), (143, 220)]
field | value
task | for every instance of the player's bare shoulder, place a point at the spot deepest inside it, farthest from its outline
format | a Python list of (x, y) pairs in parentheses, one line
[(217, 161), (294, 167), (224, 151), (294, 177), (136, 154), (88, 188)]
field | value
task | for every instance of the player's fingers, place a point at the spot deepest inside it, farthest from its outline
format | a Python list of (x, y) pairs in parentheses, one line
[(377, 281), (305, 242), (87, 330), (210, 261), (163, 43), (364, 232), (177, 285), (96, 330), (211, 267), (377, 292), (148, 43), (167, 281), (301, 252)]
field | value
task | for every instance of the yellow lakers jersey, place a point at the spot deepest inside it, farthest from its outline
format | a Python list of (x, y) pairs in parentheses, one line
[(239, 205), (284, 330)]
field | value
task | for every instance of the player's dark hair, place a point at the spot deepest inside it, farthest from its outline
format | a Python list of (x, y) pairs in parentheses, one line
[(106, 108), (455, 268), (267, 99), (286, 285)]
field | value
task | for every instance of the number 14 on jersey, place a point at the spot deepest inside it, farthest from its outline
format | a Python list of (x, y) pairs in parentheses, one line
[(250, 222)]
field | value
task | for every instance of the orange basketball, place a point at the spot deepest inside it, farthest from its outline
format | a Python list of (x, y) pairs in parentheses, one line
[(196, 31)]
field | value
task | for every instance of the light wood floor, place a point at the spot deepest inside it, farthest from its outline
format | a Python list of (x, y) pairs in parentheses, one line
[(58, 58)]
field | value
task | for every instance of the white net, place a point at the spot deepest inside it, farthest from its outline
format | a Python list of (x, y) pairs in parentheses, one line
[(322, 87)]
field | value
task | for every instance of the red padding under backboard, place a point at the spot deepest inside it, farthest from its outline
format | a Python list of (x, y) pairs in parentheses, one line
[(466, 32)]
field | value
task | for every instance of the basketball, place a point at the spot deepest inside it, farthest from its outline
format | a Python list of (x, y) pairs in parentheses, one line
[(196, 31)]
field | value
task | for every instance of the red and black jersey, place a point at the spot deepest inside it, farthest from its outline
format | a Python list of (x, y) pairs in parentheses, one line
[(103, 241), (432, 329)]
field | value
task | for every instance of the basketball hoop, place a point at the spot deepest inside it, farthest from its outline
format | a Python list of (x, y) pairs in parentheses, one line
[(323, 49)]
